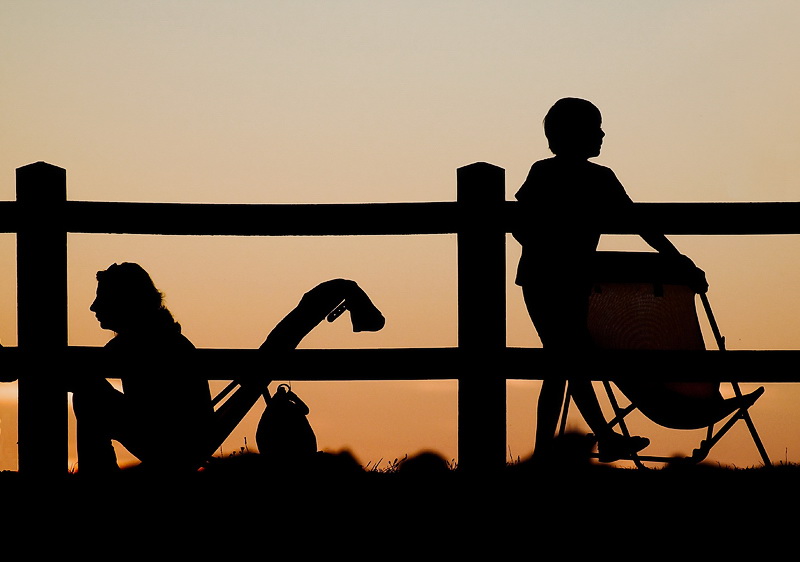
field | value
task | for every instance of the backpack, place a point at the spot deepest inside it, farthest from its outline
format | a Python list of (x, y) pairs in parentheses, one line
[(284, 432)]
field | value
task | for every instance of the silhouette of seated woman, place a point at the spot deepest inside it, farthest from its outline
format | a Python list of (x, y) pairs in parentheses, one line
[(163, 414), (561, 200)]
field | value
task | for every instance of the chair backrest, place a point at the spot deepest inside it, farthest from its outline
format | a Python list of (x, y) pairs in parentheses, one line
[(646, 301), (643, 300)]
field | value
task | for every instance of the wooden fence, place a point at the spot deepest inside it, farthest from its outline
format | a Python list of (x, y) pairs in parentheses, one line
[(480, 217)]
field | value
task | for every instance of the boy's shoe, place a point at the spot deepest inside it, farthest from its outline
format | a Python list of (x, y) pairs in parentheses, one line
[(618, 447)]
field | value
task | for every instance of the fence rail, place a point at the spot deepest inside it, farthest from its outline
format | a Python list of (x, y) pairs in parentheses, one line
[(480, 217), (445, 363), (365, 219)]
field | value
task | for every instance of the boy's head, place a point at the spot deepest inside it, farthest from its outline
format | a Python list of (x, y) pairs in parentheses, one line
[(572, 128)]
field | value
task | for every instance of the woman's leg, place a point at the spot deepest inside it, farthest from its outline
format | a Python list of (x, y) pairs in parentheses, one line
[(98, 407)]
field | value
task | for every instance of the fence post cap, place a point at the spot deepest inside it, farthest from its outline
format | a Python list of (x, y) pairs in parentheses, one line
[(480, 166), (40, 165)]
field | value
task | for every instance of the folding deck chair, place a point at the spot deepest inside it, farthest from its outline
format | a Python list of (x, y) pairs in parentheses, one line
[(327, 300), (647, 301)]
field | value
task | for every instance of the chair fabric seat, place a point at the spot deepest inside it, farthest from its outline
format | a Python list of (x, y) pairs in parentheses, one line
[(645, 301)]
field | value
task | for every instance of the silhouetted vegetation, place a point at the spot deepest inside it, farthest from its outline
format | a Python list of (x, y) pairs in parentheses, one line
[(415, 502)]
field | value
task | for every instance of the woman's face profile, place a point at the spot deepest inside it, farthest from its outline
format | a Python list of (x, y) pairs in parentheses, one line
[(107, 308), (126, 298)]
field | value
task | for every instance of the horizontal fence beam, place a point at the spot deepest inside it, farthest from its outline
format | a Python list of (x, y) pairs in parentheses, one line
[(704, 219), (346, 219), (262, 220), (744, 366), (683, 218)]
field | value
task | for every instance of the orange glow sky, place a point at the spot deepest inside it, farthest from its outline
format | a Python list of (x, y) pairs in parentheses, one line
[(357, 101)]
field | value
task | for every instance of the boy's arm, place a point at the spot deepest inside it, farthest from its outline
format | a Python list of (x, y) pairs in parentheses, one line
[(664, 246), (660, 243)]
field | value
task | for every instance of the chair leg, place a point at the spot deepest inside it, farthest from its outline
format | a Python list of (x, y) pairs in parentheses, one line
[(619, 412), (619, 419), (745, 414), (713, 438), (564, 412)]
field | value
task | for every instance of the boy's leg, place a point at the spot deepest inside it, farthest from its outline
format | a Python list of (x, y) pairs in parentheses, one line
[(548, 411)]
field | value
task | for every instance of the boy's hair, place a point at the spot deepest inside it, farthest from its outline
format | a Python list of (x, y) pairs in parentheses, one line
[(567, 117)]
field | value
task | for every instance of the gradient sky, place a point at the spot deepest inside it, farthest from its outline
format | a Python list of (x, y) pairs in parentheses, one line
[(364, 101)]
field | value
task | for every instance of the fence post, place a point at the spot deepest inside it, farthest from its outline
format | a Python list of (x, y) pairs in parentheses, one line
[(42, 318), (481, 318)]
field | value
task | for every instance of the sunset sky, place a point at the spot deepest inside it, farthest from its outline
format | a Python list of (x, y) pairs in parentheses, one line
[(381, 101)]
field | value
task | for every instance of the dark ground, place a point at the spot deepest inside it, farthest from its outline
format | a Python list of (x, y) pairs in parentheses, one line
[(330, 503)]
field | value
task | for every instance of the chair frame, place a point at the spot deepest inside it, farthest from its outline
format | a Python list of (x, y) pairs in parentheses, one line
[(712, 436), (328, 300)]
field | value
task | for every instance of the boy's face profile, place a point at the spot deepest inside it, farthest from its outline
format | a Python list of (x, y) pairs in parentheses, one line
[(588, 141), (573, 129)]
